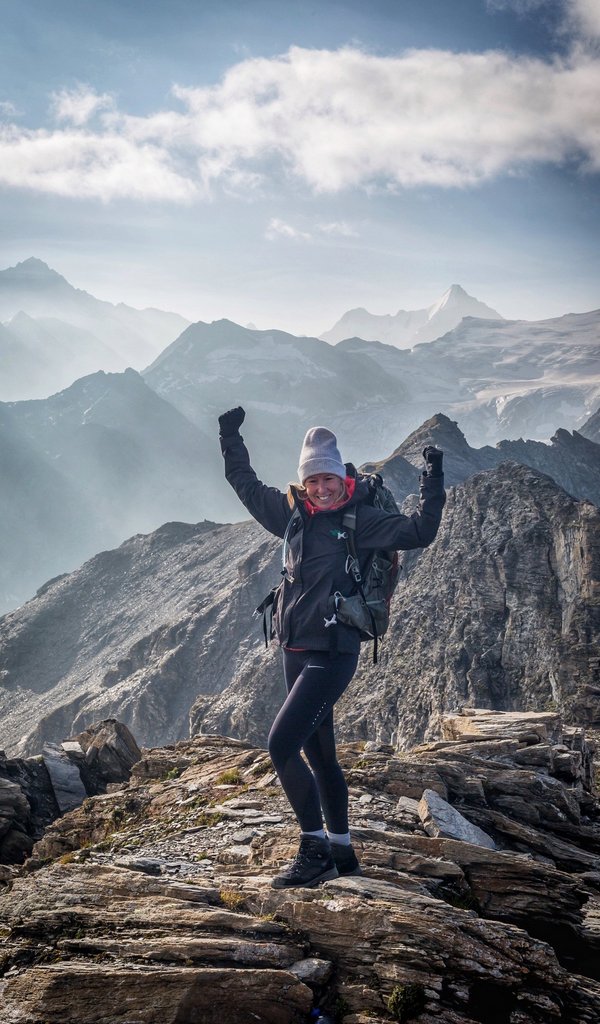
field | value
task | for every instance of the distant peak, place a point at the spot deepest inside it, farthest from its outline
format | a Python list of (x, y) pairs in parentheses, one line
[(33, 268), (33, 264)]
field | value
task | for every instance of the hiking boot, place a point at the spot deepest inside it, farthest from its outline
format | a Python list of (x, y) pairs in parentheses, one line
[(312, 864), (345, 860)]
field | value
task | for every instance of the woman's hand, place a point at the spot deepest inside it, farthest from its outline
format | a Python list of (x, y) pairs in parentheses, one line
[(231, 421), (433, 460)]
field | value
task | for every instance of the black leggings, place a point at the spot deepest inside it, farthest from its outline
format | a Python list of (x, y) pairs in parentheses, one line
[(315, 680)]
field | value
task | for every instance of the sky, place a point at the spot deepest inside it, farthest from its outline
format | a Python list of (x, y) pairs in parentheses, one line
[(278, 163)]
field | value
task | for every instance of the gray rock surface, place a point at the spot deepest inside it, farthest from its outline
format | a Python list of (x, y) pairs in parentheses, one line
[(64, 776), (442, 820), (109, 753), (206, 938)]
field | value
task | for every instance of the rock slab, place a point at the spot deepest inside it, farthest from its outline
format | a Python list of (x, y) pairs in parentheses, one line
[(442, 820)]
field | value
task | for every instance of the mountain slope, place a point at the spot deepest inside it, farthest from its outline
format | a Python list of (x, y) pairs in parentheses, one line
[(91, 465), (285, 384), (408, 328), (501, 380), (591, 428), (499, 612)]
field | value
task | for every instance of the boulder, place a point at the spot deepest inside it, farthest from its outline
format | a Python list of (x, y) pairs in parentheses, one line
[(65, 778), (442, 820)]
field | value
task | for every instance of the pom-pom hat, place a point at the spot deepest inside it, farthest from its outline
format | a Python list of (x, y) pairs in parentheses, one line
[(320, 454)]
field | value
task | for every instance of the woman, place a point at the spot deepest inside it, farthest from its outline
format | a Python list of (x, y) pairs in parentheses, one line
[(320, 655)]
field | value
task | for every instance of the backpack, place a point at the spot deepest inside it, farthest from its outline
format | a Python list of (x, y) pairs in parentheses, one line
[(368, 610)]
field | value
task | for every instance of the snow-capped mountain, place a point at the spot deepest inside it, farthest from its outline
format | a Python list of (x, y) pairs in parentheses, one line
[(407, 328), (53, 333)]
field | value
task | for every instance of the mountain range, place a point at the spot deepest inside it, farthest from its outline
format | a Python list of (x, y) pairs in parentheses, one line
[(53, 333), (500, 380), (115, 454), (407, 328), (499, 611)]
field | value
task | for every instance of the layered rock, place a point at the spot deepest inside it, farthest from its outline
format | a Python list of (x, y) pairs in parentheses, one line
[(35, 791), (154, 903)]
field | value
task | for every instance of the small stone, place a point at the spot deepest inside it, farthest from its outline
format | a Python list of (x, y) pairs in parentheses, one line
[(407, 804), (366, 798), (72, 747), (147, 865), (244, 835)]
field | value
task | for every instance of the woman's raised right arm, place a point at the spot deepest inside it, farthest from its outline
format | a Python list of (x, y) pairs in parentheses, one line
[(268, 505)]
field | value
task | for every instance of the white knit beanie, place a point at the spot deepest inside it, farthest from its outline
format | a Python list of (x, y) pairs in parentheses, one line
[(320, 454)]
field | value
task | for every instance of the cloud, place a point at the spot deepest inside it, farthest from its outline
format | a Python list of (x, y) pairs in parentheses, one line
[(8, 109), (329, 120), (580, 18), (338, 227), (78, 105), (584, 15), (80, 165), (279, 229)]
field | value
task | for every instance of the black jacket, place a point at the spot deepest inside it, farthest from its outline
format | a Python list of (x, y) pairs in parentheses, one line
[(317, 552)]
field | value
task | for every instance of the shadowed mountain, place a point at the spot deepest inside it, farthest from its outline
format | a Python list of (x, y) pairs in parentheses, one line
[(285, 384), (91, 465), (591, 428)]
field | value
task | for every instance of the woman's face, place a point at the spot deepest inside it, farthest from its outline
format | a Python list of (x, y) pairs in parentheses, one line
[(324, 489)]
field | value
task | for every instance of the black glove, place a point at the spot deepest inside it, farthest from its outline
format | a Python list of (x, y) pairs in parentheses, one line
[(433, 460), (231, 421)]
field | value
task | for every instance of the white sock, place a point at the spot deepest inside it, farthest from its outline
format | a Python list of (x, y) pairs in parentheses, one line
[(320, 833), (342, 839)]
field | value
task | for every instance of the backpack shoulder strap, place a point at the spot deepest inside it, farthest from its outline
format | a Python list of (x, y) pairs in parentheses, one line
[(349, 524), (294, 518)]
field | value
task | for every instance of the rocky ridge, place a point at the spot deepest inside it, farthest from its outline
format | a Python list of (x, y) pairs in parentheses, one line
[(153, 903), (571, 459), (501, 611)]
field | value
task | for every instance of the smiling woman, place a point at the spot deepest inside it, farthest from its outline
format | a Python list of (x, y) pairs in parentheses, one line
[(320, 651)]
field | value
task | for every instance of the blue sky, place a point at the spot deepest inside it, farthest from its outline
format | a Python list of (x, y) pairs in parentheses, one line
[(280, 163)]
